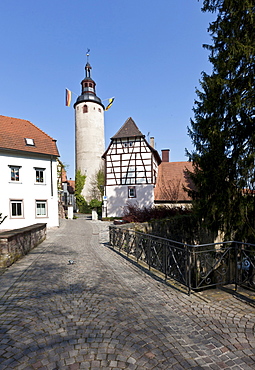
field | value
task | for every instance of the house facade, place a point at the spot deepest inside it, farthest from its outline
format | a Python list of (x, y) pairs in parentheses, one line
[(131, 166), (28, 163)]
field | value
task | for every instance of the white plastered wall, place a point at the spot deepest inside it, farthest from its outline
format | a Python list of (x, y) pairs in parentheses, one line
[(89, 142), (27, 190), (117, 198)]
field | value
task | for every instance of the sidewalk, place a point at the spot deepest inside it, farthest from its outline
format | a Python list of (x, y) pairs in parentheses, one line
[(103, 312)]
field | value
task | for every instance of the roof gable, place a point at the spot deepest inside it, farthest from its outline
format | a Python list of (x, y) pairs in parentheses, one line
[(129, 129), (15, 131)]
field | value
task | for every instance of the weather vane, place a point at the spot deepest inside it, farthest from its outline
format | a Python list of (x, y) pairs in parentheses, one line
[(88, 50)]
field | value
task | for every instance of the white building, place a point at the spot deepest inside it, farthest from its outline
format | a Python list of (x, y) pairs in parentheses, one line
[(89, 133), (28, 167), (131, 166)]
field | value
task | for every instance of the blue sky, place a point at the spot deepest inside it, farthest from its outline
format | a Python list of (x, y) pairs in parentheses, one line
[(147, 54)]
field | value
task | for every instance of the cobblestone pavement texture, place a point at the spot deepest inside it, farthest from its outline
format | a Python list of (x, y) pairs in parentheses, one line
[(103, 312)]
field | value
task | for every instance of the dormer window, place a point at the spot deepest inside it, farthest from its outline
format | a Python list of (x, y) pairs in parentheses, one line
[(29, 141)]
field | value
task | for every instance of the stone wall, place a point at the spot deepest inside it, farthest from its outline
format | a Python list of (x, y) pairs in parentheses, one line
[(183, 229), (14, 244)]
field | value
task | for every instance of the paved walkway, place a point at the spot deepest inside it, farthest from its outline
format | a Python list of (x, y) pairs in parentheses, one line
[(102, 312)]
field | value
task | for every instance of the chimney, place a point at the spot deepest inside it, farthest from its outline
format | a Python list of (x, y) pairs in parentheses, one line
[(165, 155), (152, 142)]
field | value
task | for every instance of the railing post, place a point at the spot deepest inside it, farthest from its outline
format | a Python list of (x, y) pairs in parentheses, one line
[(122, 239), (165, 261), (188, 267), (236, 266), (111, 237), (137, 250), (149, 252)]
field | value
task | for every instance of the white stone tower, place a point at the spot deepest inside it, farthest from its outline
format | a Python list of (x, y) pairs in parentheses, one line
[(89, 132)]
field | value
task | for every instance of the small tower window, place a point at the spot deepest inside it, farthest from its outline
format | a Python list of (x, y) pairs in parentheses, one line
[(85, 109), (90, 85)]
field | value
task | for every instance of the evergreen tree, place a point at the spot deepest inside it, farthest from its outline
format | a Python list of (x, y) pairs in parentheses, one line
[(223, 129)]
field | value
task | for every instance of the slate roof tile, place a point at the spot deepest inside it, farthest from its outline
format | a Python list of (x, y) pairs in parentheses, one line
[(128, 129)]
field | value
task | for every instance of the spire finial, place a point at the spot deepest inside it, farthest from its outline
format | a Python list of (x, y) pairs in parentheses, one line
[(87, 54), (87, 67)]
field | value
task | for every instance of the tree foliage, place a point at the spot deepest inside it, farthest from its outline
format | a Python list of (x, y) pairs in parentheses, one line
[(95, 203), (79, 185), (100, 177), (134, 213), (222, 130), (97, 185)]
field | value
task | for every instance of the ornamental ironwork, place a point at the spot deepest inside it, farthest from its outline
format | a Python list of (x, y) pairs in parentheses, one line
[(195, 266)]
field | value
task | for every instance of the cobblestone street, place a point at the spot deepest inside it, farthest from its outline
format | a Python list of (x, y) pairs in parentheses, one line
[(103, 312)]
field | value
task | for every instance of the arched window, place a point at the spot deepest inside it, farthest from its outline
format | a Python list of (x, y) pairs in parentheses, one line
[(85, 109)]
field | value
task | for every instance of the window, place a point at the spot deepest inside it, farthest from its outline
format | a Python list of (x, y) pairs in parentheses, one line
[(16, 208), (131, 192), (29, 142), (85, 109), (14, 173), (128, 144), (41, 208), (39, 175)]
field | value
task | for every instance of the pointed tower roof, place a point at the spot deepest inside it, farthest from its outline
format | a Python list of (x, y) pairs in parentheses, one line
[(129, 129), (88, 87)]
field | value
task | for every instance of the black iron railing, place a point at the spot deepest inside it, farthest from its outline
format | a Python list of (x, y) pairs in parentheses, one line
[(195, 266)]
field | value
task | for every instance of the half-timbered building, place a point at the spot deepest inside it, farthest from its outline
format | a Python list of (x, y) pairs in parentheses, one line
[(131, 166)]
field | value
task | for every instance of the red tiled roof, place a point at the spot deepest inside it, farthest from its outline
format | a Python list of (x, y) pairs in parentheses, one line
[(71, 186), (13, 132), (63, 176), (172, 177)]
